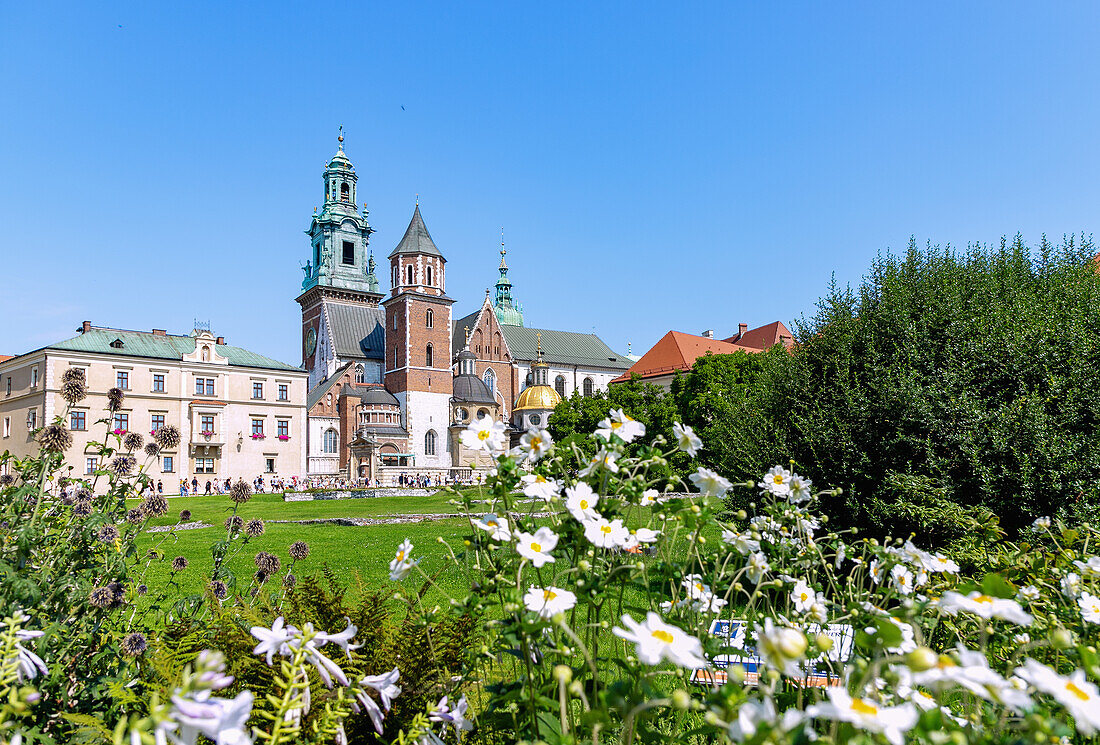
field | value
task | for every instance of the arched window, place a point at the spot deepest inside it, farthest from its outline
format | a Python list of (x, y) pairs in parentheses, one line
[(359, 374), (428, 274), (330, 441), (482, 413), (429, 319), (395, 359), (328, 401), (409, 274), (345, 192), (588, 386), (429, 442), (490, 379), (396, 276), (559, 385), (428, 357)]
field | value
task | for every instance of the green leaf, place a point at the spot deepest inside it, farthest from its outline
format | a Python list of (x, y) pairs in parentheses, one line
[(997, 586)]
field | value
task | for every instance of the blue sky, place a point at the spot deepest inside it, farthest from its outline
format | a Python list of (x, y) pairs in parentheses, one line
[(655, 166)]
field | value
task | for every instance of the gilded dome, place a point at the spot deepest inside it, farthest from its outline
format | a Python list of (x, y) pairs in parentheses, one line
[(537, 397)]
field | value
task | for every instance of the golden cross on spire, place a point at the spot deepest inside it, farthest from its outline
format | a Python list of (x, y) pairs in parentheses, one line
[(340, 137), (538, 335), (467, 335), (418, 199)]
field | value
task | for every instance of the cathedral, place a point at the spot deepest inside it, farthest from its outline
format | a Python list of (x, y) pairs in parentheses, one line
[(394, 376)]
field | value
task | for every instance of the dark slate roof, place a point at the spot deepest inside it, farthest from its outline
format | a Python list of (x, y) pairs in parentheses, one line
[(325, 386), (386, 430), (373, 394), (155, 346), (561, 347), (472, 389), (357, 330), (417, 239), (458, 330)]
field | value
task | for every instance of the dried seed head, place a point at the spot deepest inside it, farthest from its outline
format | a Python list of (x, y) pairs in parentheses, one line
[(114, 399), (135, 517), (107, 533), (122, 465), (73, 375), (240, 492), (134, 644), (289, 581), (268, 563), (54, 438), (254, 528), (74, 391), (185, 515), (168, 437), (7, 479), (219, 589), (154, 505), (299, 550), (152, 450), (179, 563), (101, 597), (132, 441), (234, 523)]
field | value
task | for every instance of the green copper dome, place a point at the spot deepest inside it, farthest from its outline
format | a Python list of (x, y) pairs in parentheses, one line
[(509, 312)]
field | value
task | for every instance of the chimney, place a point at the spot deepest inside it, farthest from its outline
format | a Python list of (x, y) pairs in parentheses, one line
[(708, 334), (220, 340), (741, 329), (85, 327), (160, 332)]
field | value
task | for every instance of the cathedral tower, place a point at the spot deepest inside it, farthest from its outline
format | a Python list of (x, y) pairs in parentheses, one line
[(340, 268), (508, 311), (418, 342)]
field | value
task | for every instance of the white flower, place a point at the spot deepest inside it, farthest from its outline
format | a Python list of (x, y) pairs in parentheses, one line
[(402, 564), (799, 489), (984, 606), (341, 639), (536, 442), (1021, 639), (388, 690), (657, 641), (537, 547), (902, 579), (605, 534), (876, 570), (1040, 524), (483, 434), (686, 439), (537, 486), (973, 673), (1092, 566), (549, 601), (757, 567), (941, 563), (1028, 593), (29, 664), (781, 648), (709, 482), (777, 481), (641, 535), (602, 459), (742, 542), (803, 596), (223, 721), (703, 600), (621, 425), (581, 502), (908, 643), (442, 712), (819, 611), (273, 641), (1090, 607), (1074, 692), (1071, 585), (496, 527), (892, 721)]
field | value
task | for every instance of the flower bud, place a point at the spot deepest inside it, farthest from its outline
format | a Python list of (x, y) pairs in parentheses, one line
[(681, 699), (1061, 639), (921, 659), (576, 688), (824, 642), (584, 565), (792, 645), (563, 673), (742, 515)]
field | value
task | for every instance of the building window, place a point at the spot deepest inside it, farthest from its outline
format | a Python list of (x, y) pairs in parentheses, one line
[(588, 386), (345, 192), (429, 442), (559, 385), (284, 392), (204, 465), (535, 420), (409, 274), (394, 359), (257, 427), (428, 275), (77, 420), (396, 277), (429, 319), (482, 413), (461, 414), (9, 385), (168, 465), (157, 421), (122, 380), (204, 386), (490, 379), (90, 465), (257, 390), (7, 426), (269, 465), (283, 428), (158, 383), (330, 441), (359, 377), (428, 358), (122, 421), (349, 253), (206, 421), (32, 419), (34, 377)]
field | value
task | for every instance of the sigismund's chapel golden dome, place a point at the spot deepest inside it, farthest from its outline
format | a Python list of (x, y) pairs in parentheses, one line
[(537, 397)]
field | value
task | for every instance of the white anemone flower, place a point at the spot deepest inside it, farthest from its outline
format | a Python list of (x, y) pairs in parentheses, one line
[(640, 536), (651, 498), (902, 579), (777, 481), (800, 489), (1029, 593), (1071, 585), (1074, 692), (536, 548), (941, 563), (890, 721), (973, 673), (984, 606), (757, 567), (496, 527), (602, 459), (536, 443), (604, 533), (803, 596), (877, 570), (908, 642), (710, 483), (537, 486), (484, 434), (621, 425), (402, 564), (1090, 607), (819, 611), (1092, 566), (549, 601), (743, 543), (1040, 524), (781, 647), (658, 641), (686, 439), (581, 502)]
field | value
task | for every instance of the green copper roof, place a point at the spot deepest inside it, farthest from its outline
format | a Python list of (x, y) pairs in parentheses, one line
[(558, 347), (155, 346)]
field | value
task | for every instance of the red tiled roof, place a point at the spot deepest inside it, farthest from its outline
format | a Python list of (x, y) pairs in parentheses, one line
[(762, 338), (6, 357), (678, 351)]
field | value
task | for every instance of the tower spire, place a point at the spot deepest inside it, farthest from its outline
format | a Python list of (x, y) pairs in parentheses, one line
[(340, 138), (508, 311)]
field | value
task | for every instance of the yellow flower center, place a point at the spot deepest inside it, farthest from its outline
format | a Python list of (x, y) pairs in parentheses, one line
[(616, 425), (540, 479), (804, 596), (536, 547), (400, 555), (983, 599), (584, 504), (1072, 688), (663, 636), (863, 708), (605, 528), (536, 443), (483, 434), (778, 478), (549, 594)]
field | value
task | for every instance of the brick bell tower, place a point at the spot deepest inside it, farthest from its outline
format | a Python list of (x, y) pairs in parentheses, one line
[(418, 342)]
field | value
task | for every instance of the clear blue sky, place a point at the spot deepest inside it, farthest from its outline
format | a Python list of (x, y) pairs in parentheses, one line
[(655, 166)]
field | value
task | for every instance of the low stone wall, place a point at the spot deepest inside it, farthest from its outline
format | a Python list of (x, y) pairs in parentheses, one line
[(357, 494)]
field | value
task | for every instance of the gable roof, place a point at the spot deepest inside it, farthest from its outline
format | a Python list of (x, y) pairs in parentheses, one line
[(763, 337), (356, 330), (319, 390), (162, 347), (562, 347), (417, 239), (678, 351)]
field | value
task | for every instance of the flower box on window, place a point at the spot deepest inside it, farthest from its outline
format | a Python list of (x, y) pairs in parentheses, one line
[(284, 438), (257, 436), (207, 433), (119, 432)]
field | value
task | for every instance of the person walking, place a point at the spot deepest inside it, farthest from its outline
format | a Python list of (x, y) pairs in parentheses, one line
[(194, 485), (160, 487)]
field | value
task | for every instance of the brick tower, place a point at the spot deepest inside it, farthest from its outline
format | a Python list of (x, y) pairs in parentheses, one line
[(418, 342)]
